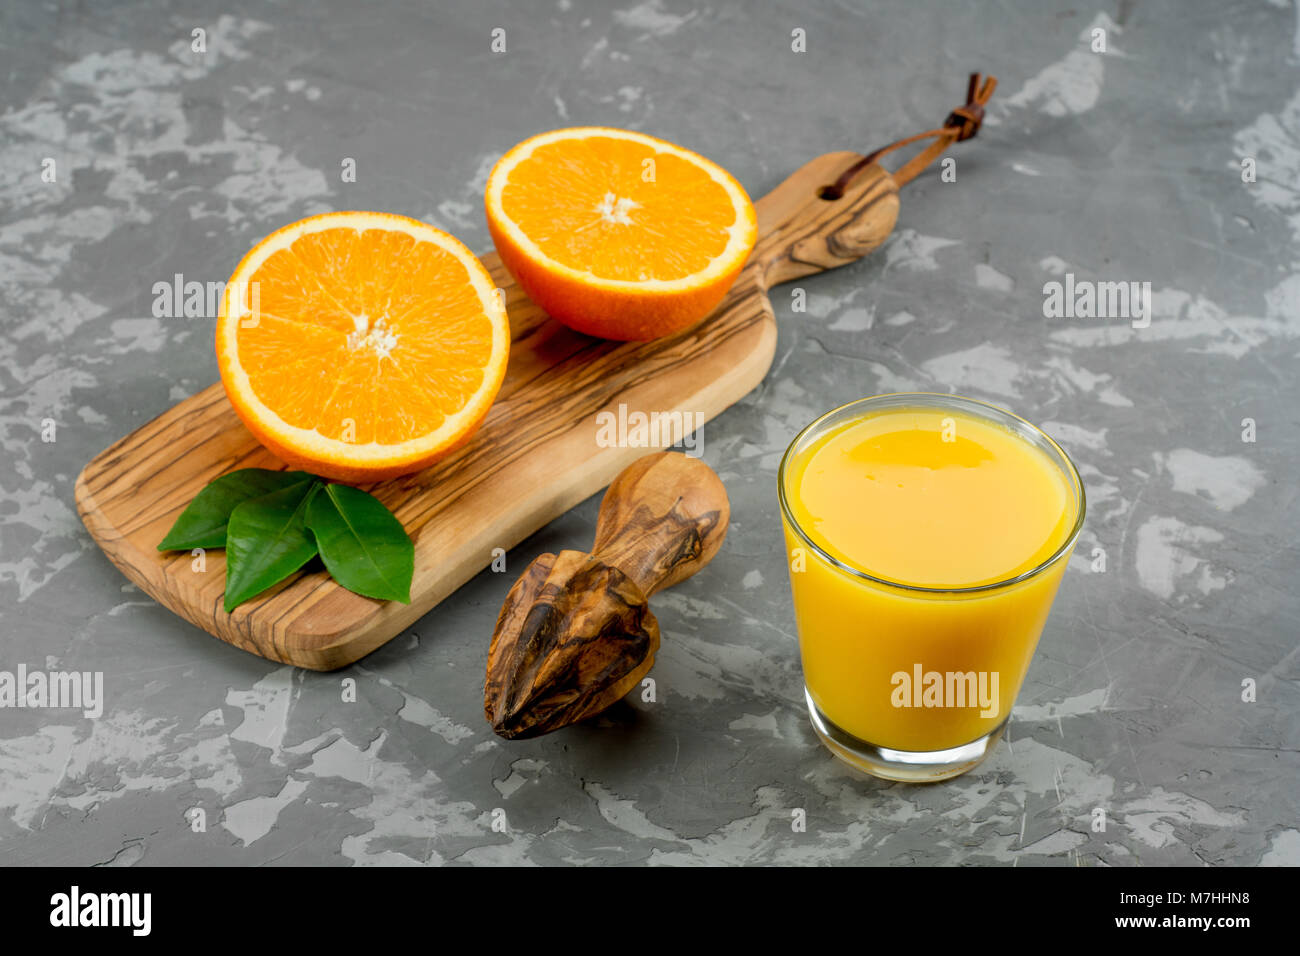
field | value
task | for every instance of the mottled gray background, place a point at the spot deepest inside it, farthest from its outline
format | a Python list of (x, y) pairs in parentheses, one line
[(1123, 165)]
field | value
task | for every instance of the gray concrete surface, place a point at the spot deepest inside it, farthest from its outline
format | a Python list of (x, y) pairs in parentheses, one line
[(1123, 165)]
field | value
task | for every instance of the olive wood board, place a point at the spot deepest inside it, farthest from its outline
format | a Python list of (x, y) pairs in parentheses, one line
[(535, 456)]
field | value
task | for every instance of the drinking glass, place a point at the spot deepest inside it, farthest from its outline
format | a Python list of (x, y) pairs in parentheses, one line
[(871, 647)]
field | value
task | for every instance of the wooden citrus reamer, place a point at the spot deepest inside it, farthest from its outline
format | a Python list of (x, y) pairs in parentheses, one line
[(575, 633), (534, 456)]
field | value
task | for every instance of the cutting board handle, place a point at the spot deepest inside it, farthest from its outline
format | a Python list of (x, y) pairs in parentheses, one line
[(802, 230), (837, 208)]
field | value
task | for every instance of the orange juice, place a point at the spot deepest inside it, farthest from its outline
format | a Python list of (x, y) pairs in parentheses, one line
[(928, 535)]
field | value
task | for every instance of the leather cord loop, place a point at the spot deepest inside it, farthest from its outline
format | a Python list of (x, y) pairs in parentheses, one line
[(962, 124)]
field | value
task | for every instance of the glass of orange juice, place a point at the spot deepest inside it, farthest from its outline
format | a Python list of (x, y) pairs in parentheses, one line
[(927, 537)]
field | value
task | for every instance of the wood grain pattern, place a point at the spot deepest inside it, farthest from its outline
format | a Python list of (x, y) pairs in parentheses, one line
[(534, 457), (662, 519), (574, 634)]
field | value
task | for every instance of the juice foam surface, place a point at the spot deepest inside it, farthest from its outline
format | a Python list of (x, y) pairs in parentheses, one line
[(888, 495)]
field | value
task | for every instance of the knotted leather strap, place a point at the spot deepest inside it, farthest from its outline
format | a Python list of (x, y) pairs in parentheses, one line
[(962, 124)]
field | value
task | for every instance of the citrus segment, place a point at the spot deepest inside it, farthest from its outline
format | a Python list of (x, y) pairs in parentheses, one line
[(361, 346), (618, 234), (272, 344), (285, 287), (355, 274)]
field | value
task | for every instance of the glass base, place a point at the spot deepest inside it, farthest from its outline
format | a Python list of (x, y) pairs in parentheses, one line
[(903, 765)]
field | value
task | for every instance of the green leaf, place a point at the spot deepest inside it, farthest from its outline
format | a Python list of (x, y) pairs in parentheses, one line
[(267, 540), (362, 544), (203, 523)]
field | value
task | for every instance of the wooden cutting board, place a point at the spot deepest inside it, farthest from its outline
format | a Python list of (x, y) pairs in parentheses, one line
[(535, 456)]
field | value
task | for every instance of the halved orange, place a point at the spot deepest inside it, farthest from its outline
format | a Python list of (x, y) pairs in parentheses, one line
[(618, 234), (361, 345)]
